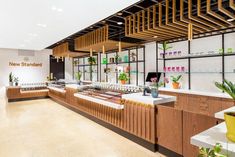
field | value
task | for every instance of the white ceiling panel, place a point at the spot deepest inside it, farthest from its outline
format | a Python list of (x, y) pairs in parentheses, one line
[(37, 24)]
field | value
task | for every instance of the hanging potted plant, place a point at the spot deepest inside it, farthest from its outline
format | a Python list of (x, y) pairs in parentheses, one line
[(155, 85), (175, 81), (91, 60), (16, 80), (229, 117), (123, 78), (11, 77), (78, 76)]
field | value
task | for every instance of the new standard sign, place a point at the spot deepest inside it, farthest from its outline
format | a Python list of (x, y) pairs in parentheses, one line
[(24, 64)]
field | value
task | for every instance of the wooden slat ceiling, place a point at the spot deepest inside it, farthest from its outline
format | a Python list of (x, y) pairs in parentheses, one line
[(98, 40), (166, 19), (169, 19)]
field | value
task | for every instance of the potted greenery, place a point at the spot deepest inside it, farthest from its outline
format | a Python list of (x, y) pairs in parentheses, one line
[(78, 76), (155, 85), (214, 152), (229, 117), (175, 81), (117, 58), (123, 78), (11, 77), (16, 80), (165, 46), (91, 60)]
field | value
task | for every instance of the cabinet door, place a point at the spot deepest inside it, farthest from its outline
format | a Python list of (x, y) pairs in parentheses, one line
[(193, 124), (169, 128)]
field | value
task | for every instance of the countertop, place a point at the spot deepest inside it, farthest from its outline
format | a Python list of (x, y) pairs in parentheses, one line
[(216, 134), (100, 101), (210, 137), (193, 92), (148, 99)]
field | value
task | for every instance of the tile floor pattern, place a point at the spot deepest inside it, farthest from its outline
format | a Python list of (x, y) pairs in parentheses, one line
[(43, 128)]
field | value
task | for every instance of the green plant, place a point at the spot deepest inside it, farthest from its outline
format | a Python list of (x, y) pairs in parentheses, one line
[(16, 79), (176, 79), (156, 84), (78, 75), (123, 77), (165, 46), (91, 60), (11, 77), (214, 152), (227, 87)]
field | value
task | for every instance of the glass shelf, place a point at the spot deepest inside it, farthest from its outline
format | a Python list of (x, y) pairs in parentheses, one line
[(199, 72), (197, 56)]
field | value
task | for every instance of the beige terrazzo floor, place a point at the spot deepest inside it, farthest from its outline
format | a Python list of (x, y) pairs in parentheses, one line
[(43, 128)]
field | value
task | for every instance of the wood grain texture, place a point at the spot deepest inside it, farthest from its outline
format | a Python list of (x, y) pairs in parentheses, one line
[(193, 124), (170, 128)]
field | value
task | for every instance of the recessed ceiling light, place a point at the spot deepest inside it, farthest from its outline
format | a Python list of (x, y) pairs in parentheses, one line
[(119, 23), (33, 34), (155, 36), (54, 8), (119, 14), (91, 27), (103, 21), (230, 20), (42, 25)]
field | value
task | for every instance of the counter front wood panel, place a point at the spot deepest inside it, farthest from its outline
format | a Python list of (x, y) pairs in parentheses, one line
[(193, 124), (170, 128), (16, 93)]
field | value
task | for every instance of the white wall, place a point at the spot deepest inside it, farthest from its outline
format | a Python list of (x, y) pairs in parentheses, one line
[(25, 74), (68, 68)]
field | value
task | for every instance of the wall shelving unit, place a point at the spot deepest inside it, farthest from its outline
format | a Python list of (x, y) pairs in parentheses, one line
[(85, 67), (136, 67), (189, 58)]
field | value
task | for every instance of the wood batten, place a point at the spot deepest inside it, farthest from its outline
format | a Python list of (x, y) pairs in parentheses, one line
[(62, 51), (170, 19), (98, 40)]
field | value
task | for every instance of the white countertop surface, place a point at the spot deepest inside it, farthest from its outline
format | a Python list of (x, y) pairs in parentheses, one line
[(149, 99), (100, 101), (220, 115), (76, 86), (210, 137), (57, 89), (202, 93)]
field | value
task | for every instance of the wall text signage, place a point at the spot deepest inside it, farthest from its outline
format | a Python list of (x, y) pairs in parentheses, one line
[(24, 64)]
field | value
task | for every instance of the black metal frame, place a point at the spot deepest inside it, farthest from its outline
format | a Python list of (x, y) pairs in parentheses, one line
[(195, 57), (129, 63), (85, 65)]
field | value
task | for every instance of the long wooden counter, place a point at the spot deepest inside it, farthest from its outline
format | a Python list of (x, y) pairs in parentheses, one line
[(165, 127)]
